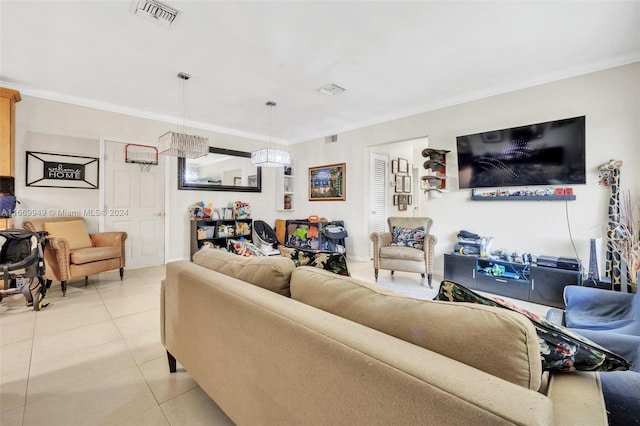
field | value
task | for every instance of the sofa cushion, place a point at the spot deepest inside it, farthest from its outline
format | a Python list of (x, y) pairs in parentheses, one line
[(560, 349), (493, 340), (94, 254), (401, 253), (269, 272), (74, 231), (408, 237)]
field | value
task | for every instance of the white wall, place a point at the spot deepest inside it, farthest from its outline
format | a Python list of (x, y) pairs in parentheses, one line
[(57, 127), (610, 99)]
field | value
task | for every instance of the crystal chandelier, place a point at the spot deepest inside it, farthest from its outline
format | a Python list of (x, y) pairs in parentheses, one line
[(270, 157), (183, 144)]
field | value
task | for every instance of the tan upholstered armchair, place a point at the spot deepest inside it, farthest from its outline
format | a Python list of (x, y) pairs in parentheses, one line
[(400, 257), (72, 252)]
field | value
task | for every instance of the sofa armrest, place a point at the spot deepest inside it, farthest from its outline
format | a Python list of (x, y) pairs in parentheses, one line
[(577, 398), (429, 248), (57, 255), (380, 239), (108, 239)]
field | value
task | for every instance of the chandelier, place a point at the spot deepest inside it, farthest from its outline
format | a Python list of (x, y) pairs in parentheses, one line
[(183, 144), (270, 157)]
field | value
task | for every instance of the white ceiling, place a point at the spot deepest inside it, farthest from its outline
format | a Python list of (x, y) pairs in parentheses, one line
[(394, 58)]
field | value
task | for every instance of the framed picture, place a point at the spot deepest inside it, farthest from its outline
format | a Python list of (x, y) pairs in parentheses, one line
[(410, 200), (402, 202), (406, 183), (399, 183), (394, 166), (395, 200), (403, 166), (328, 183), (61, 170), (252, 180)]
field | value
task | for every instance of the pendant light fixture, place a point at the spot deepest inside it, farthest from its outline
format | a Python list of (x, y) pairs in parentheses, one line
[(183, 144), (270, 157)]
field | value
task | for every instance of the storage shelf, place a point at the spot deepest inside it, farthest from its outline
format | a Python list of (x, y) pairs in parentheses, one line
[(524, 198)]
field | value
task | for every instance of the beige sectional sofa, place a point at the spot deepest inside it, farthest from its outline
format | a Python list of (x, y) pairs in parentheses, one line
[(339, 351)]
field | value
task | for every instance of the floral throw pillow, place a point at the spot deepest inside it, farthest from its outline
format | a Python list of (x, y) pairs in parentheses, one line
[(327, 260), (560, 348), (408, 237)]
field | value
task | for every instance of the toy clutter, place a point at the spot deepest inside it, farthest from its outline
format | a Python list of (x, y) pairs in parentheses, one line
[(220, 228), (316, 233)]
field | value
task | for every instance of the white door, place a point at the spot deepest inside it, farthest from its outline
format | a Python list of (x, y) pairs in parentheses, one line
[(379, 178), (134, 203)]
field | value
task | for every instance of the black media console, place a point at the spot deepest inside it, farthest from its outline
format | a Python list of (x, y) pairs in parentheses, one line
[(537, 284)]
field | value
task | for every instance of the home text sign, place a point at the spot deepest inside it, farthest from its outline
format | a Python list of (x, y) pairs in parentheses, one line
[(62, 170)]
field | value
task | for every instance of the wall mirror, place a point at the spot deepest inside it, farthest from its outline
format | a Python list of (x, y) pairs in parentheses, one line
[(220, 170)]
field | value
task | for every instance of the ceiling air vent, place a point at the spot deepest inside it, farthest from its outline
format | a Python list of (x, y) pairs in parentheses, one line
[(331, 89), (155, 11)]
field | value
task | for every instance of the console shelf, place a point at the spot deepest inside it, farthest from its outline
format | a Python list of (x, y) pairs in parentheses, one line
[(537, 284), (524, 198)]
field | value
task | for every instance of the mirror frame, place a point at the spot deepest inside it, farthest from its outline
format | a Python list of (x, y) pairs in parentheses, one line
[(182, 184)]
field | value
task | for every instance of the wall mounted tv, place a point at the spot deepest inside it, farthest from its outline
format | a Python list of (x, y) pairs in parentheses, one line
[(551, 153)]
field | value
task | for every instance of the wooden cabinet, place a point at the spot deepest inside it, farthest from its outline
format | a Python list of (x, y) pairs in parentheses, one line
[(8, 99), (216, 232), (460, 269), (537, 284)]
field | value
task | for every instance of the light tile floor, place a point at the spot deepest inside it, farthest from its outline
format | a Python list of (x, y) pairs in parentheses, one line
[(94, 357)]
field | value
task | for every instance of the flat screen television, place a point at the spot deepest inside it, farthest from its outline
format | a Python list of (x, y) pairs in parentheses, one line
[(551, 153)]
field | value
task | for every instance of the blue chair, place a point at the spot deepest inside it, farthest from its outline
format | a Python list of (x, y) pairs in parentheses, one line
[(598, 309), (609, 318)]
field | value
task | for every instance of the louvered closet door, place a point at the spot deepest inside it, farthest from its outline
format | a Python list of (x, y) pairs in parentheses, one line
[(379, 166)]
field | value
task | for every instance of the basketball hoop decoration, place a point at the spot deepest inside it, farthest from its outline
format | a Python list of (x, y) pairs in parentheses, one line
[(143, 155)]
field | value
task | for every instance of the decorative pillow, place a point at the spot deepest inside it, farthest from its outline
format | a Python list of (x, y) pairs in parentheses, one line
[(327, 260), (74, 231), (560, 349), (243, 248), (408, 237)]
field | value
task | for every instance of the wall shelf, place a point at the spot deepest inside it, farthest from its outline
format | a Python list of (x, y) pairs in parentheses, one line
[(285, 189), (524, 198)]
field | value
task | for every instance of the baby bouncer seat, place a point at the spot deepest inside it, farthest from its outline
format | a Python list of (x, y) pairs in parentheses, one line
[(266, 237)]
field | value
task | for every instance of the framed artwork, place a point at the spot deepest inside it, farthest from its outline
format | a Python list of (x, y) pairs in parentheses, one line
[(399, 183), (328, 183), (406, 183), (253, 180), (403, 166), (61, 170), (402, 202), (395, 200), (394, 166), (410, 200)]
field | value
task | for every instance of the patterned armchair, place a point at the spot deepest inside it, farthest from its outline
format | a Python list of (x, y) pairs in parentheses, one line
[(407, 251)]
